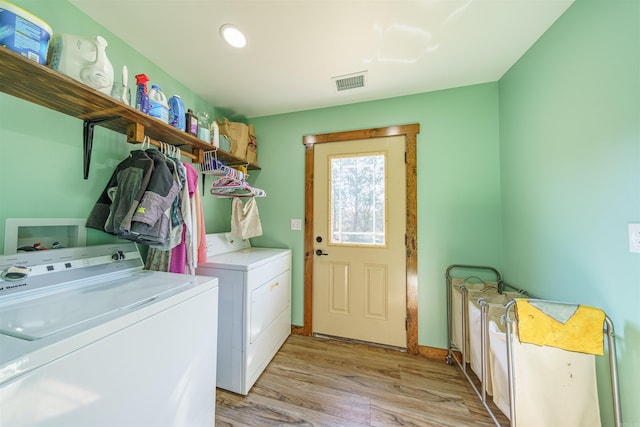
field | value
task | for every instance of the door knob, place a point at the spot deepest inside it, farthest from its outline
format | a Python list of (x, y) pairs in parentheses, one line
[(319, 252)]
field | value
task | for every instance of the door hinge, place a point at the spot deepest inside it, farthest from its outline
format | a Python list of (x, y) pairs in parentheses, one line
[(406, 323)]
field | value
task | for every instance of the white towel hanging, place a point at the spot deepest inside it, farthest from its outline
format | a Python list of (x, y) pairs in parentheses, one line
[(245, 220)]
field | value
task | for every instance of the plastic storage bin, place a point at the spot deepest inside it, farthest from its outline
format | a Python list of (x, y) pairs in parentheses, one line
[(24, 33)]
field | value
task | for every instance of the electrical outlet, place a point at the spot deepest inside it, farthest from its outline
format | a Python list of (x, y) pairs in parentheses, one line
[(296, 224), (634, 238)]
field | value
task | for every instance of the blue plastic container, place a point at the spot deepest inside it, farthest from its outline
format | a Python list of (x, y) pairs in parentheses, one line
[(176, 113), (158, 106), (24, 33)]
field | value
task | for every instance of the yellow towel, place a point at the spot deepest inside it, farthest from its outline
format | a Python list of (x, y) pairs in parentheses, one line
[(581, 332)]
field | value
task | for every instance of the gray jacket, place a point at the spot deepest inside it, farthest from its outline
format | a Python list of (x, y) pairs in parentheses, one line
[(136, 201)]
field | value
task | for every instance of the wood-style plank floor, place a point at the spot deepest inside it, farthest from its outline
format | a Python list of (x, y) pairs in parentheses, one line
[(323, 382)]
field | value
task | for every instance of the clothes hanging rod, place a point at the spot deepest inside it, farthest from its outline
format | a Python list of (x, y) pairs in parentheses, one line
[(135, 135)]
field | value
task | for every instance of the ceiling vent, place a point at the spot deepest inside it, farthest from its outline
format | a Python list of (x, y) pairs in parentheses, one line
[(350, 81)]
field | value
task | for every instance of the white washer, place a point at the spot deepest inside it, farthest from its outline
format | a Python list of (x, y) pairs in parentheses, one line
[(254, 313), (89, 339)]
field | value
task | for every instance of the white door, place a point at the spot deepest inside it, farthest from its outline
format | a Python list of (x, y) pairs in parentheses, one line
[(359, 270)]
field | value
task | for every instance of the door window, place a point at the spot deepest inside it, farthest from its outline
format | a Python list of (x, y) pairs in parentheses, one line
[(358, 197)]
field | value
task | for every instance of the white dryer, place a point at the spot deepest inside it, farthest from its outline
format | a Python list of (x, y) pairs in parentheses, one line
[(254, 311)]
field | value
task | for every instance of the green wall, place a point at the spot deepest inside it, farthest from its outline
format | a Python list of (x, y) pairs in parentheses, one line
[(570, 166), (458, 184), (41, 160)]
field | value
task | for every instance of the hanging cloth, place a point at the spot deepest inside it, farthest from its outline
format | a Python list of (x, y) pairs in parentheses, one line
[(200, 229), (570, 327), (157, 259), (116, 205), (196, 206), (152, 218), (179, 252), (185, 256), (245, 220)]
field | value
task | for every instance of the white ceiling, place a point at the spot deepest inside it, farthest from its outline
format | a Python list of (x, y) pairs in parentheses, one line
[(295, 47)]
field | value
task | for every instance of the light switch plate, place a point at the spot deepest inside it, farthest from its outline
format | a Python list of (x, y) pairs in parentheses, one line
[(296, 224), (634, 238)]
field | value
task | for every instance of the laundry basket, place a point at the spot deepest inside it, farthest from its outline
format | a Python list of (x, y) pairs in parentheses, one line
[(495, 304), (463, 291), (498, 365), (543, 385)]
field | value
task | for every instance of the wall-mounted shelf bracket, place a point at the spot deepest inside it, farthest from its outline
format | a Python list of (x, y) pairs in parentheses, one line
[(87, 139)]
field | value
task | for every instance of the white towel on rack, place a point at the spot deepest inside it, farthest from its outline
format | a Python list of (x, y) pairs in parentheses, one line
[(245, 220)]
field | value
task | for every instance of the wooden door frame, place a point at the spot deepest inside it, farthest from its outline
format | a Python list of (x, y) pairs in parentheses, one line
[(410, 133)]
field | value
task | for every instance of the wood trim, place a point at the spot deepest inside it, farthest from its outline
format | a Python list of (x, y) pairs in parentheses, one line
[(432, 352), (423, 351), (412, 243), (308, 241), (410, 133), (298, 330), (413, 129)]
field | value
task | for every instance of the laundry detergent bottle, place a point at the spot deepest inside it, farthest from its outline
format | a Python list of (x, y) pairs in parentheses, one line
[(158, 106), (177, 113), (142, 94)]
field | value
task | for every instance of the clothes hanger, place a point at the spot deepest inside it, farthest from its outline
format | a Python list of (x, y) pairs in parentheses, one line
[(232, 181), (244, 191), (212, 166), (230, 187)]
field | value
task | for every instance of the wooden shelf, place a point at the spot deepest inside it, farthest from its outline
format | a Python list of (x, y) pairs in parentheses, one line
[(28, 80)]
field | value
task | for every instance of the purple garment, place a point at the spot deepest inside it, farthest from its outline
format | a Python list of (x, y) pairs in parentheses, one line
[(179, 255)]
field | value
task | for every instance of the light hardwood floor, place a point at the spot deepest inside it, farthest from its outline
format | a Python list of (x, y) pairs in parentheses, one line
[(322, 382)]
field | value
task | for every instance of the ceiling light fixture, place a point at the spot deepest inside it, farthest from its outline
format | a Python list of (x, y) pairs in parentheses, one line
[(233, 36)]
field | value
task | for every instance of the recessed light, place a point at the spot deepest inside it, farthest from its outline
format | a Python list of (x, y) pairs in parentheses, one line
[(233, 36)]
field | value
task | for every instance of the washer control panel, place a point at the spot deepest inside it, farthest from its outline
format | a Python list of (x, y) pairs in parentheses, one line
[(35, 270)]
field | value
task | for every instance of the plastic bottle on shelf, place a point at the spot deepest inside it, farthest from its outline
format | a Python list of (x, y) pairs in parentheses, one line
[(203, 127), (192, 123), (177, 113), (142, 94), (215, 134), (159, 108)]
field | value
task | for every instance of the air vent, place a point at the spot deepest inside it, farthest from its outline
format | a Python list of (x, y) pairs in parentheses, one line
[(350, 81)]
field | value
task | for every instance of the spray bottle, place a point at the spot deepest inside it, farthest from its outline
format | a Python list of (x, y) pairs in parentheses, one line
[(142, 93)]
